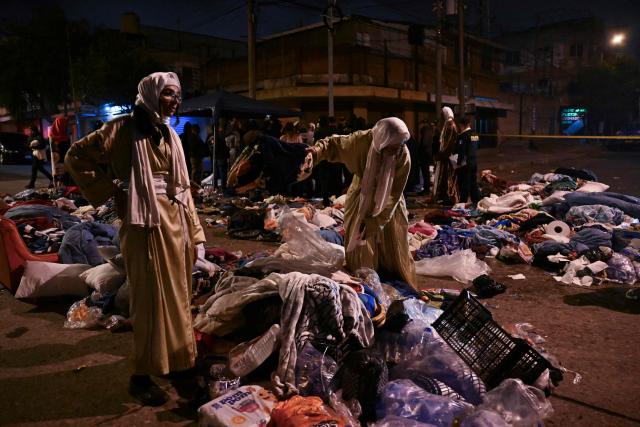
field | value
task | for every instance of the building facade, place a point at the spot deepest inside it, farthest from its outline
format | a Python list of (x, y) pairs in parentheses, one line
[(380, 68)]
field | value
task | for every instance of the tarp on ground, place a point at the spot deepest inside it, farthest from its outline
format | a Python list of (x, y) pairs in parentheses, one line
[(224, 104)]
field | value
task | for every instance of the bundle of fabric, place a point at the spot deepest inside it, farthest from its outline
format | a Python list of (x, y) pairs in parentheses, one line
[(509, 202), (269, 163), (315, 310)]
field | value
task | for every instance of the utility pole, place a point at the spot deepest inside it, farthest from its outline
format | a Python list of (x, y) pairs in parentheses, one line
[(461, 102), (251, 48), (330, 32), (439, 7)]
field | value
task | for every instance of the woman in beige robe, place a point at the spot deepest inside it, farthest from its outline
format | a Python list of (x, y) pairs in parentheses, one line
[(446, 184), (138, 159), (375, 218)]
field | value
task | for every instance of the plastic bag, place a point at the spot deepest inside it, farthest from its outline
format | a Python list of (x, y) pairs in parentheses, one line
[(484, 418), (394, 421), (405, 399), (396, 347), (248, 356), (304, 250), (314, 372), (434, 358), (363, 377), (305, 412), (463, 266), (518, 404), (371, 279), (621, 270), (81, 316), (244, 407)]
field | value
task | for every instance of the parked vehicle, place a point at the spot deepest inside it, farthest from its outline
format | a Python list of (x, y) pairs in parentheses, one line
[(14, 148)]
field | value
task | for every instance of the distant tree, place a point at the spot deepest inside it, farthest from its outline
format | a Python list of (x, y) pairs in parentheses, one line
[(48, 60), (610, 92), (113, 66), (35, 62)]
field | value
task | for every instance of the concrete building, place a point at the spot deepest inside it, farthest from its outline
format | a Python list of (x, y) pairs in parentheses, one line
[(380, 68), (539, 66)]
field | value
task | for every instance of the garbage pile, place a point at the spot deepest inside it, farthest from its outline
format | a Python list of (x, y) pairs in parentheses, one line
[(315, 345)]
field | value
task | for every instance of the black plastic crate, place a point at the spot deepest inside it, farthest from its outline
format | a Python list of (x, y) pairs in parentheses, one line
[(492, 353)]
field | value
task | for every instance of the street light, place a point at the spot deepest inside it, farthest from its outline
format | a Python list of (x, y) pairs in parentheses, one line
[(618, 39)]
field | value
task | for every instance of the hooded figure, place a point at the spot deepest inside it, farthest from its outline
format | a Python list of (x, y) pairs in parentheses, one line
[(446, 187), (160, 227), (375, 218)]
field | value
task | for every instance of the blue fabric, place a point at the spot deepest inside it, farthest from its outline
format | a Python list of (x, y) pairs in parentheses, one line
[(446, 242), (627, 204), (487, 235), (592, 238), (331, 236), (80, 243)]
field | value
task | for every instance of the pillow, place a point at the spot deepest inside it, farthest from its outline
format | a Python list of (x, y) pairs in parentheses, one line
[(49, 279), (593, 187), (104, 278)]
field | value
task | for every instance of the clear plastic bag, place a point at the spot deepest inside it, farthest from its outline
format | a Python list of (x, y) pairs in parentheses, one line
[(395, 421), (81, 316), (433, 358), (484, 418), (371, 279), (621, 270), (304, 250), (419, 310), (463, 266), (403, 398), (518, 404), (314, 372)]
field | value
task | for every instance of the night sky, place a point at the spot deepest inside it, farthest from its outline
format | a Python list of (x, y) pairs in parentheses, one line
[(227, 18)]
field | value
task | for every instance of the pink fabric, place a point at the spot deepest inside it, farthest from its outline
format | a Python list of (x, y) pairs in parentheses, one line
[(423, 228)]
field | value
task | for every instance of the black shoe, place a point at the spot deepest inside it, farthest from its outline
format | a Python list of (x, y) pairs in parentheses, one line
[(147, 392), (29, 186)]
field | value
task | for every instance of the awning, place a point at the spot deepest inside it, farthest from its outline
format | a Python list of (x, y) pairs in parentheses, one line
[(228, 104)]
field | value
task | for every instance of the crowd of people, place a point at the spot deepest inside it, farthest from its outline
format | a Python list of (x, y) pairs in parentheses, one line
[(450, 150)]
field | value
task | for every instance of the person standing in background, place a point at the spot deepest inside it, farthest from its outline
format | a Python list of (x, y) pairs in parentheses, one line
[(38, 157), (60, 143), (425, 156), (446, 187), (185, 140), (221, 151), (467, 163), (197, 154)]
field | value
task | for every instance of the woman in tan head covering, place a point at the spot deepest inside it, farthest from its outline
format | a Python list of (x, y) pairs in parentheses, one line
[(375, 218), (446, 186), (160, 227)]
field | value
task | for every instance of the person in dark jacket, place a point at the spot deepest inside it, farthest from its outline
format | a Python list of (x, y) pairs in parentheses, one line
[(467, 163), (424, 151), (221, 154), (185, 139), (38, 157)]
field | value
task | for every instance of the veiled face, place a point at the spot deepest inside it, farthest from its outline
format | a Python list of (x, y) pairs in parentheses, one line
[(170, 99)]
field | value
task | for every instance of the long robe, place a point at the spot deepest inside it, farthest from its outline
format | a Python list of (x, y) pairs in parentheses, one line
[(446, 184), (386, 246), (159, 260)]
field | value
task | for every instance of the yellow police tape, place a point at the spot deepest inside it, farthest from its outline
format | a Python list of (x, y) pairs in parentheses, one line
[(625, 137)]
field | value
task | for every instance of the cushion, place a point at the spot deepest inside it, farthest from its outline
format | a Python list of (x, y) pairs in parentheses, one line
[(104, 278), (49, 279), (593, 187)]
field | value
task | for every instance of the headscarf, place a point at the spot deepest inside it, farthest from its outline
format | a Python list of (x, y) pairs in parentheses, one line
[(379, 171), (449, 124), (447, 112), (143, 206), (149, 90)]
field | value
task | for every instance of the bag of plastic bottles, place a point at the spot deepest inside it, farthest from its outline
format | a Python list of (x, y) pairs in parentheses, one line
[(518, 404), (403, 398), (436, 359), (314, 372)]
